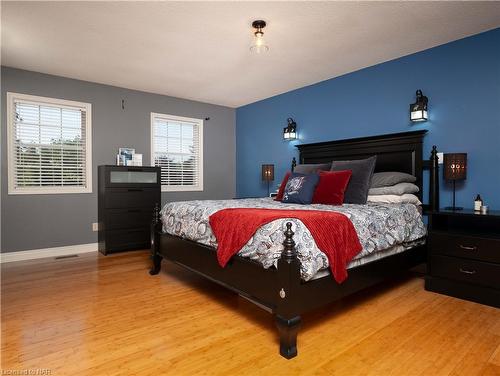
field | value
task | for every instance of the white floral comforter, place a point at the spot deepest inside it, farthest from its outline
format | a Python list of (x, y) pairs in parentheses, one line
[(379, 227)]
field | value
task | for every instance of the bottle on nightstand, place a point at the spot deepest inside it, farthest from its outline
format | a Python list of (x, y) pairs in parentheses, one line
[(478, 202)]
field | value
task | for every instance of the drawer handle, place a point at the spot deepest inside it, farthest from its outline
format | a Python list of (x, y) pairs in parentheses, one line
[(466, 248), (134, 190), (465, 271)]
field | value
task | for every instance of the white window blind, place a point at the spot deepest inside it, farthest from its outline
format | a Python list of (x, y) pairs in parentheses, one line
[(177, 147), (49, 145)]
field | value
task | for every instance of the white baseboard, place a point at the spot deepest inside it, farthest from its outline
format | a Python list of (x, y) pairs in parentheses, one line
[(48, 252)]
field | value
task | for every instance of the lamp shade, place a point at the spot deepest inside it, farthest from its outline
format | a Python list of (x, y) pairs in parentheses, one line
[(455, 166), (267, 172)]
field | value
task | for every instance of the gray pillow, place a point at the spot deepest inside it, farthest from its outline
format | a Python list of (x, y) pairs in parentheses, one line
[(386, 179), (307, 169), (362, 172), (398, 189)]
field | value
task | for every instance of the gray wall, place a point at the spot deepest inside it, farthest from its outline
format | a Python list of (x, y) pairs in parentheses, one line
[(42, 221)]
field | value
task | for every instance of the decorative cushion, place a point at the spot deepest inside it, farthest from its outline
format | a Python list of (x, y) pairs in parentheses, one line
[(300, 188), (281, 191), (386, 179), (398, 189), (395, 199), (362, 172), (312, 168), (331, 187)]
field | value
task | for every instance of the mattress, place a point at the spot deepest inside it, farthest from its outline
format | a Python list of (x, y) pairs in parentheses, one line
[(381, 227)]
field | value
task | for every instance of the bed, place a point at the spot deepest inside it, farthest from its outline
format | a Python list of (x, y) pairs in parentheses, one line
[(383, 229), (291, 277)]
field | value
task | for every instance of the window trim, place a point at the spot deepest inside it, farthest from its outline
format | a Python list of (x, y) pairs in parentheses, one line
[(12, 189), (180, 188)]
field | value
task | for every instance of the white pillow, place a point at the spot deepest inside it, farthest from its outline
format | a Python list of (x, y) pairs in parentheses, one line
[(398, 189), (407, 198)]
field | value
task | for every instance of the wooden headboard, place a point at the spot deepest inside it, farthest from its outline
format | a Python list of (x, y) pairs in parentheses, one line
[(395, 152)]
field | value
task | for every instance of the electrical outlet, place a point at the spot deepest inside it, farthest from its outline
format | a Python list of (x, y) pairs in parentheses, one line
[(95, 226), (440, 158)]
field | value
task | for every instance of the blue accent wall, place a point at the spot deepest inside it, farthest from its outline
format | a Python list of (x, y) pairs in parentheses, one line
[(461, 79)]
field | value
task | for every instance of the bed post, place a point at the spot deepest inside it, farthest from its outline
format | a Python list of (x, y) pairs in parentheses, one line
[(294, 163), (155, 241), (286, 313), (434, 180)]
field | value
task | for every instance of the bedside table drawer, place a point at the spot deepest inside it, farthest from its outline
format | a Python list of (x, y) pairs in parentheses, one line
[(476, 272), (482, 249)]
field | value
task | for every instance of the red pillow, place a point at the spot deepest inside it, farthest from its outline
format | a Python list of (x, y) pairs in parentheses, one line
[(281, 191), (331, 187)]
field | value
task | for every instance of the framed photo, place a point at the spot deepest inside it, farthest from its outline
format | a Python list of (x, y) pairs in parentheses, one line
[(126, 154)]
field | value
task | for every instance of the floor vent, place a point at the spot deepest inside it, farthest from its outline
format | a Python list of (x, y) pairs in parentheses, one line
[(65, 257)]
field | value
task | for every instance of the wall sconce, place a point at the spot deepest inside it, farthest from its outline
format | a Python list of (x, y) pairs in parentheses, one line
[(290, 131), (418, 110)]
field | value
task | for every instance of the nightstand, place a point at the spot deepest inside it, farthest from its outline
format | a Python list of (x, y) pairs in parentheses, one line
[(464, 255)]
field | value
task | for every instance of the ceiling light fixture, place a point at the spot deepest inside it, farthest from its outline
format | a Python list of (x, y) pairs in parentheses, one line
[(259, 45)]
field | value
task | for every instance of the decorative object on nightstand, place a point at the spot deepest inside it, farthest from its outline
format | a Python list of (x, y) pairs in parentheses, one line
[(478, 202), (268, 174), (464, 255), (455, 168), (126, 199)]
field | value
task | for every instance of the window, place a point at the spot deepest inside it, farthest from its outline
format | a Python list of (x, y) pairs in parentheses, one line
[(177, 147), (49, 145)]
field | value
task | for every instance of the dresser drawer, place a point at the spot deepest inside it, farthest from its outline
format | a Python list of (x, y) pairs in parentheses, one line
[(471, 271), (127, 218), (482, 249), (117, 240), (131, 197)]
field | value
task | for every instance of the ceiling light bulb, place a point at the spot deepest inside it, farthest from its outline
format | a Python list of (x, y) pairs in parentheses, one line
[(259, 45)]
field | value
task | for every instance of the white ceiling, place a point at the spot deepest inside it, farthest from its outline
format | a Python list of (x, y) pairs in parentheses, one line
[(200, 50)]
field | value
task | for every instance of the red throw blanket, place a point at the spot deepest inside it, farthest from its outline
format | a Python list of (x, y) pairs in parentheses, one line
[(333, 233)]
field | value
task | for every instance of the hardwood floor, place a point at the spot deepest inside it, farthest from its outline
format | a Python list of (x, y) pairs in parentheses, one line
[(104, 315)]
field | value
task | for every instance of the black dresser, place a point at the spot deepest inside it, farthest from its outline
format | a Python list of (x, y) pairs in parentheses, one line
[(464, 255), (127, 196)]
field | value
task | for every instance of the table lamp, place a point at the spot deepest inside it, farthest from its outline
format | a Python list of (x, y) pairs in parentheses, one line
[(268, 174), (455, 168)]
